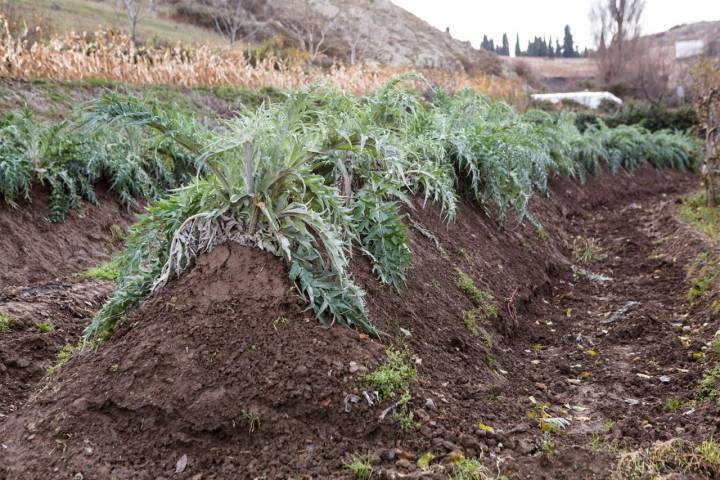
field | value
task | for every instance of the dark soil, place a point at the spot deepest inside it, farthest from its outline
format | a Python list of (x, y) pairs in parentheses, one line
[(42, 283), (35, 250), (225, 369)]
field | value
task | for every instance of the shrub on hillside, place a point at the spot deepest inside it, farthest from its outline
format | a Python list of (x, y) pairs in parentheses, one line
[(652, 116)]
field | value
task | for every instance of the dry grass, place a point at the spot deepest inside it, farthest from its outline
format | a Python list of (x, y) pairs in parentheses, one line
[(556, 67), (110, 56)]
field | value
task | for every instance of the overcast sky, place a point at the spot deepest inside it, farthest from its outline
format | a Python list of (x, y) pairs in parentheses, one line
[(470, 19)]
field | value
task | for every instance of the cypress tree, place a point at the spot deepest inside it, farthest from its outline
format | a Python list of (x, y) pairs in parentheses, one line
[(505, 45), (518, 52), (551, 49), (568, 44)]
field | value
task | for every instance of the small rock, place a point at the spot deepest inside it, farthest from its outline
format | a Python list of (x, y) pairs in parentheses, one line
[(430, 405), (301, 370), (422, 415), (197, 476), (354, 367), (406, 455), (449, 446), (88, 451), (664, 379), (541, 386), (388, 455), (78, 476), (468, 441), (525, 447), (405, 464), (181, 464)]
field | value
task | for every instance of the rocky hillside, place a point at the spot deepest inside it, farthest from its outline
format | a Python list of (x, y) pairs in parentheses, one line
[(351, 30)]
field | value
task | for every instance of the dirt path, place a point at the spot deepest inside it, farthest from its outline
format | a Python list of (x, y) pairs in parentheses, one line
[(615, 354)]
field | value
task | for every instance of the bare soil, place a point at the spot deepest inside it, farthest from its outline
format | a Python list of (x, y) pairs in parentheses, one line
[(223, 374)]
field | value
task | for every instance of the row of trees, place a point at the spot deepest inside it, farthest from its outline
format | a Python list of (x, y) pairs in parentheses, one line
[(538, 47)]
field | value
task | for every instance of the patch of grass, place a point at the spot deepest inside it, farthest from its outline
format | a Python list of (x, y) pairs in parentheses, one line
[(695, 211), (280, 321), (252, 420), (464, 255), (392, 379), (393, 376), (406, 418), (586, 250), (359, 466), (542, 234), (709, 450), (672, 404), (470, 319), (425, 460), (595, 441), (715, 346), (45, 327), (710, 384), (104, 271), (547, 445), (117, 233), (63, 357), (6, 321), (481, 299), (469, 469), (672, 456), (700, 284)]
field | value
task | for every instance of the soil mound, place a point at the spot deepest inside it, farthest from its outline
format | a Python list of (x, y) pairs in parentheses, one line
[(224, 374), (222, 366)]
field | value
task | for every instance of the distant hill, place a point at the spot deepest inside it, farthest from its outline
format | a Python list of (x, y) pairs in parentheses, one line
[(368, 30), (351, 30)]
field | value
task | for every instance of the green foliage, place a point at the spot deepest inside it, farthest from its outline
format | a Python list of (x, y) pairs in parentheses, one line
[(45, 327), (393, 376), (423, 463), (480, 298), (70, 160), (694, 210), (64, 355), (469, 469), (709, 450), (710, 384), (700, 284), (320, 172), (470, 319), (104, 271), (672, 404), (360, 467), (650, 115), (6, 322)]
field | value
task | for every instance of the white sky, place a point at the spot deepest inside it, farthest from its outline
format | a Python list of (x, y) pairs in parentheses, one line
[(470, 19)]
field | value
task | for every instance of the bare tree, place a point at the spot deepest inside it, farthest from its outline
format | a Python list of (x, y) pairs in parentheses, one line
[(358, 46), (309, 30), (135, 10), (649, 72), (616, 25), (706, 86), (232, 16)]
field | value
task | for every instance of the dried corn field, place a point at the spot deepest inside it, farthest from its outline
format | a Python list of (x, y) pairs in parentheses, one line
[(110, 56)]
